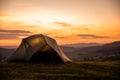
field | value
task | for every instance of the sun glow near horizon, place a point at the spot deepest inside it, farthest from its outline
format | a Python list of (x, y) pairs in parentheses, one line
[(46, 19), (62, 28), (73, 21)]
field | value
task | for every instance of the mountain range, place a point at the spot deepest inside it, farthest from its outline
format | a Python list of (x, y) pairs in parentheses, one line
[(4, 53), (110, 51), (81, 45), (82, 51)]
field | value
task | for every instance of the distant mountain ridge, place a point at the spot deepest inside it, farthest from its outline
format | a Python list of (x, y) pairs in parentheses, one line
[(105, 52), (81, 45), (8, 47), (108, 51), (116, 43), (4, 53)]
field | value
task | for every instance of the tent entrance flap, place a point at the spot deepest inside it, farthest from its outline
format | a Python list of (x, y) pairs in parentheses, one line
[(49, 56)]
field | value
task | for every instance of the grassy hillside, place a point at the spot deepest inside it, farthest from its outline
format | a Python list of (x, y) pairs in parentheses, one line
[(71, 71), (106, 52)]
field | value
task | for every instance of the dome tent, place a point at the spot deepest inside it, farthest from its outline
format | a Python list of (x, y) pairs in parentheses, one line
[(39, 48)]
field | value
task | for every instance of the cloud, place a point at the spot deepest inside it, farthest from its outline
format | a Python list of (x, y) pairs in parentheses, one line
[(60, 37), (13, 34), (89, 36), (62, 24), (14, 31), (3, 14)]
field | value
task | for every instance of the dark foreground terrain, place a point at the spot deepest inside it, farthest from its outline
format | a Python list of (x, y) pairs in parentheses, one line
[(72, 71)]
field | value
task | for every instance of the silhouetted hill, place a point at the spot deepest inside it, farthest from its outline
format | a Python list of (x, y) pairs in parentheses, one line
[(81, 45), (104, 52), (5, 53), (9, 47)]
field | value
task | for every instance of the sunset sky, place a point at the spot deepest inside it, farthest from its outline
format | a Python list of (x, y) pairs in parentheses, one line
[(67, 21)]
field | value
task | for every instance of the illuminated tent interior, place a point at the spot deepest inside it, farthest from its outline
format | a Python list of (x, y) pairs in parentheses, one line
[(39, 49)]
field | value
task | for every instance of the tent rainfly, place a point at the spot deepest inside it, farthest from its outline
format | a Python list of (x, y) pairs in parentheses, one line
[(39, 49)]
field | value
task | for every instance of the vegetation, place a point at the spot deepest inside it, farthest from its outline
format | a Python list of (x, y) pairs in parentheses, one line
[(71, 71)]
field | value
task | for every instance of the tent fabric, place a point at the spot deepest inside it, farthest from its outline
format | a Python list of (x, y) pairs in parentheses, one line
[(39, 48)]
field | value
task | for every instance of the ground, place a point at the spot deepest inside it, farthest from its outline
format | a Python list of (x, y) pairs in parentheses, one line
[(70, 71)]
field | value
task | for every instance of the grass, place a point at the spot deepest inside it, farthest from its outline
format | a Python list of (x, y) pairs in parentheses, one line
[(72, 71)]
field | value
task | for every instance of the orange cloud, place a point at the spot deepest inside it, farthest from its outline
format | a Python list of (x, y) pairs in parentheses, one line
[(13, 34), (62, 24), (3, 14), (91, 36)]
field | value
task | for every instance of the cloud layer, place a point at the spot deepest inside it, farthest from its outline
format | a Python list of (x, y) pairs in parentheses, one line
[(64, 24), (13, 34), (14, 31), (87, 36)]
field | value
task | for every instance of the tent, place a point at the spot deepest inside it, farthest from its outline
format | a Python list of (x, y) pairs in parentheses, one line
[(39, 48)]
